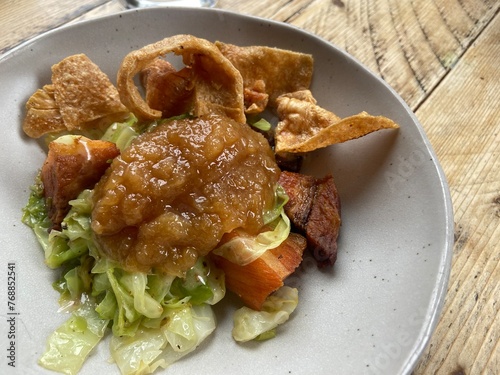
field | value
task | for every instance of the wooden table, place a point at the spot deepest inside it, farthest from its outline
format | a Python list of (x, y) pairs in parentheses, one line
[(442, 57)]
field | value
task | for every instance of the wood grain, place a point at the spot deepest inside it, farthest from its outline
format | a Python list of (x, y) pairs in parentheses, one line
[(25, 19), (411, 44), (461, 118)]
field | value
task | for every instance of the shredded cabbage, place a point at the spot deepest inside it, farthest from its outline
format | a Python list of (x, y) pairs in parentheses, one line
[(122, 133), (70, 344), (250, 324), (35, 211), (73, 240), (152, 348), (280, 199), (244, 248), (155, 319)]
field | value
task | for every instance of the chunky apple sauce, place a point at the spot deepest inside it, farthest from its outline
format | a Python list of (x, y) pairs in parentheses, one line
[(170, 196)]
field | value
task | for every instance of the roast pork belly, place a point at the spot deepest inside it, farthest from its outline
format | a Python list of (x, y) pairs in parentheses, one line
[(314, 210), (73, 163)]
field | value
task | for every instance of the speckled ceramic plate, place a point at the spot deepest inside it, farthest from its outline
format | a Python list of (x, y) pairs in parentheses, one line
[(373, 313)]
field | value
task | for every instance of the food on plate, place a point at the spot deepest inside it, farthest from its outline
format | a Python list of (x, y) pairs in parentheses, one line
[(252, 324), (72, 165), (314, 210), (42, 113), (253, 282), (80, 96), (304, 126), (167, 89), (268, 73), (217, 85), (151, 206), (173, 193)]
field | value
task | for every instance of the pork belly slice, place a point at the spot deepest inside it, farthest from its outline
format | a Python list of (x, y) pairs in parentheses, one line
[(254, 282), (73, 163), (314, 210)]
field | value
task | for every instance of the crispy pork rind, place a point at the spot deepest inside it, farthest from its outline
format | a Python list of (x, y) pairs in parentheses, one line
[(42, 113), (268, 71), (83, 92), (218, 86), (167, 89), (304, 126), (81, 96)]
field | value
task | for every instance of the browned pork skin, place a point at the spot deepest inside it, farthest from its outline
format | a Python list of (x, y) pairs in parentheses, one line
[(314, 209), (168, 90), (70, 168)]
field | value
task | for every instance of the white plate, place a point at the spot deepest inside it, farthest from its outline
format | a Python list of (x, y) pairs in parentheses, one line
[(373, 313)]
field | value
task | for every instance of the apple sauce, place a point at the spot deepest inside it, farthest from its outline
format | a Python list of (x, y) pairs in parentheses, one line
[(173, 193)]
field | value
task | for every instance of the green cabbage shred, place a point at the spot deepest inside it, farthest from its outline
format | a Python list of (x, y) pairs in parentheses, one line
[(250, 324), (244, 248)]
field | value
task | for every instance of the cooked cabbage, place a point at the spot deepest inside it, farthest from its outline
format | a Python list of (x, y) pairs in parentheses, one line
[(244, 248), (70, 344), (250, 324)]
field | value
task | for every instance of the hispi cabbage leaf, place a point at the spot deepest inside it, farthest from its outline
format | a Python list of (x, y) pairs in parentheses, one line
[(243, 248), (73, 240), (122, 133), (280, 199), (70, 344), (250, 324), (35, 211), (259, 123), (185, 328), (141, 308), (203, 283)]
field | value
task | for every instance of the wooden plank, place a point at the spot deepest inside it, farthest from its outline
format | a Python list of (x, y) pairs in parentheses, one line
[(25, 19), (111, 7), (461, 120), (412, 44), (278, 9)]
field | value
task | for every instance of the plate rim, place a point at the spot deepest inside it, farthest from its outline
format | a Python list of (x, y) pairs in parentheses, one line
[(438, 296)]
